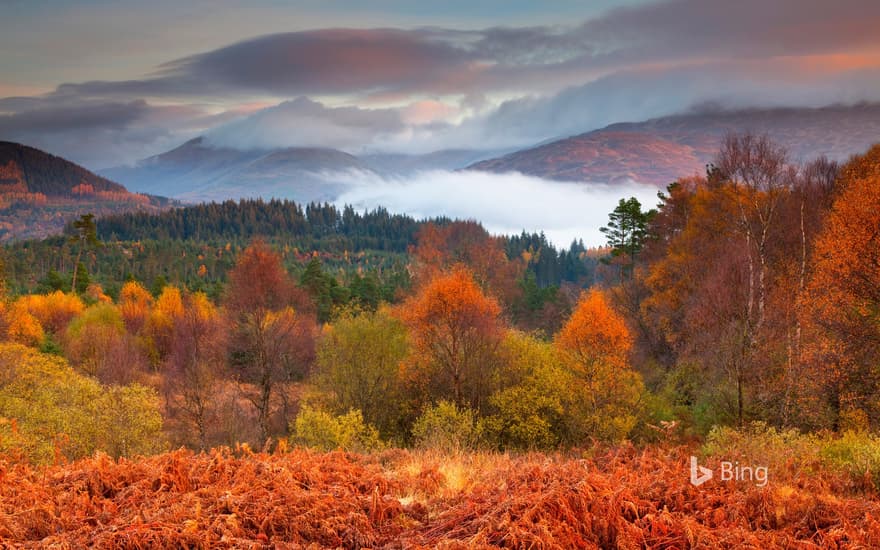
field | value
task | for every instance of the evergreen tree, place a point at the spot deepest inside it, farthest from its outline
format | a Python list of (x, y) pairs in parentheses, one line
[(627, 231), (86, 236)]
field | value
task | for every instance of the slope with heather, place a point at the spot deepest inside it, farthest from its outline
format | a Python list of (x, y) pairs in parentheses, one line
[(661, 150), (40, 193)]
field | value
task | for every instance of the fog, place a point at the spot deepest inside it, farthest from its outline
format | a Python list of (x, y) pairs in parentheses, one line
[(503, 203)]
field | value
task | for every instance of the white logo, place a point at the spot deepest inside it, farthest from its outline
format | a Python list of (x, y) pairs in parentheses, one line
[(730, 471), (699, 474)]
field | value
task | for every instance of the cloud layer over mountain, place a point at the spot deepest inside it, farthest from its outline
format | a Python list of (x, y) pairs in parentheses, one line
[(423, 88)]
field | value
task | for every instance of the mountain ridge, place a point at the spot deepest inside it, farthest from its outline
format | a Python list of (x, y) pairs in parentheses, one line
[(660, 150)]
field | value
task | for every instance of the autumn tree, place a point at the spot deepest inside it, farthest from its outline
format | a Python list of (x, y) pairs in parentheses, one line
[(159, 327), (18, 325), (604, 391), (58, 409), (194, 366), (759, 172), (529, 410), (135, 303), (455, 330), (272, 343), (843, 298), (54, 311), (440, 247), (97, 343)]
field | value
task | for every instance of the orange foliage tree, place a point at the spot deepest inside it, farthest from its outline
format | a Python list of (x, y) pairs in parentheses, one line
[(603, 391), (19, 325), (441, 247), (159, 328), (135, 302), (456, 331), (54, 311), (843, 302)]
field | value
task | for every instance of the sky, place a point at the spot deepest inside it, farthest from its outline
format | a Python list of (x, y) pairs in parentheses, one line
[(106, 83)]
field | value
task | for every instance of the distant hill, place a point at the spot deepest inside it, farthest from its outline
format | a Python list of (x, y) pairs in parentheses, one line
[(200, 171), (24, 169), (40, 193), (660, 150)]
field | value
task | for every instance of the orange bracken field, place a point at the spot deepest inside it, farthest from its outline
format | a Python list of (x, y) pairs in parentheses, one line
[(620, 497)]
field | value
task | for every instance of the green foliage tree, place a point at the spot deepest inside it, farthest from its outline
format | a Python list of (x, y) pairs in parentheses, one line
[(358, 363), (51, 282), (324, 289), (626, 231)]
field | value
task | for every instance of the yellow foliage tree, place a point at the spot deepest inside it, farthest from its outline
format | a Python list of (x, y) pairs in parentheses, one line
[(96, 342)]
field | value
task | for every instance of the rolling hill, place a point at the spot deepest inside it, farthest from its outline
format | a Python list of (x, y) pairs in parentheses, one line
[(40, 193), (660, 150)]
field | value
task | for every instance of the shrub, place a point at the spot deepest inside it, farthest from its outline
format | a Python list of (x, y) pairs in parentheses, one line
[(447, 428), (322, 431), (54, 408), (853, 455), (528, 413), (856, 454)]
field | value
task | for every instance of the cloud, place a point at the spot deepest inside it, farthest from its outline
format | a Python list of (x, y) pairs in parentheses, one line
[(65, 118), (381, 62), (100, 134), (503, 203), (422, 89), (306, 123)]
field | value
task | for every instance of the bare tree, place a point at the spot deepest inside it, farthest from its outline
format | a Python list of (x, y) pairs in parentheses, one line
[(761, 176), (194, 368)]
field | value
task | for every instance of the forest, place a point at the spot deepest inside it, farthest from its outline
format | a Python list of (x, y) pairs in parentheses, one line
[(737, 319)]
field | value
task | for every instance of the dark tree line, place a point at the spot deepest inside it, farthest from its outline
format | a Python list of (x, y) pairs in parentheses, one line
[(317, 226)]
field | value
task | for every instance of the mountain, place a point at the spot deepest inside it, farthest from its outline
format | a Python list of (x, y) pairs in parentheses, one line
[(40, 193), (659, 150), (198, 171)]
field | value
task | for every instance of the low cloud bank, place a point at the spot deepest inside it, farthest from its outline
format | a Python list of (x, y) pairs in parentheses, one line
[(503, 203)]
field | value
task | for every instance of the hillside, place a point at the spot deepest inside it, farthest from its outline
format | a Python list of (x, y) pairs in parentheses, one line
[(40, 193), (24, 169), (660, 150)]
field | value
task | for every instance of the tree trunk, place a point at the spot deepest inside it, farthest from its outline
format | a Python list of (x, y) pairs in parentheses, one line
[(75, 268)]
